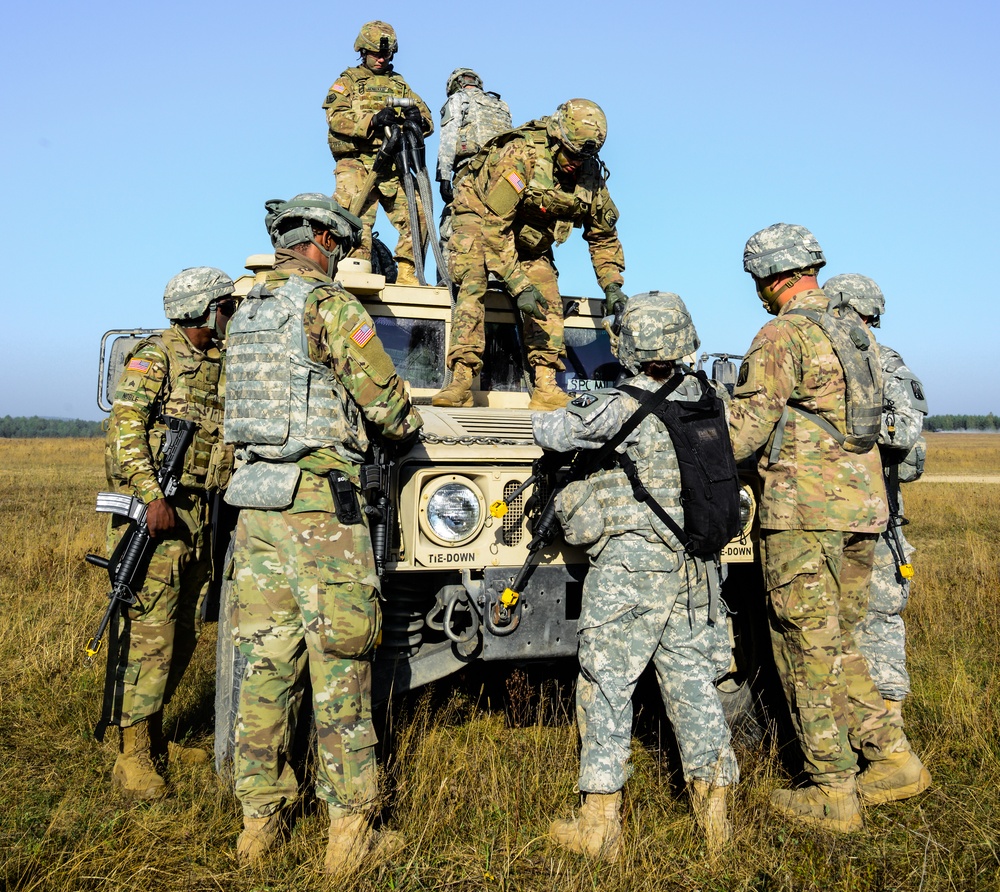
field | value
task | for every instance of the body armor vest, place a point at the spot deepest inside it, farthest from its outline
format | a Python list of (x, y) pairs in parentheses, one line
[(484, 115), (368, 95), (281, 404)]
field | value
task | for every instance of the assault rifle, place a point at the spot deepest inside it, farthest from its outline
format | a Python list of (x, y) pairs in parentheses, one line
[(375, 477)]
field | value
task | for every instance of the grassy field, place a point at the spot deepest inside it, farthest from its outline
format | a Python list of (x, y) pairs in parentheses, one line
[(472, 781)]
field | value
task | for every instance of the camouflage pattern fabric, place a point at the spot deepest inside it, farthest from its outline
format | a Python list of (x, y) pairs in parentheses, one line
[(469, 118)]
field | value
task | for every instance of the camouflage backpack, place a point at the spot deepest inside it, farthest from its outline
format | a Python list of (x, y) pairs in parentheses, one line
[(484, 115)]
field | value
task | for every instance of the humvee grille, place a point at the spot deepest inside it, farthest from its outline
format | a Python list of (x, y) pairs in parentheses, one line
[(513, 425), (512, 520)]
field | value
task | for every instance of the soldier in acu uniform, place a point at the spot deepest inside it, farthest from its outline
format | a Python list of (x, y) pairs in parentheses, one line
[(309, 382), (177, 373), (821, 510), (520, 196), (644, 598), (357, 116), (881, 635)]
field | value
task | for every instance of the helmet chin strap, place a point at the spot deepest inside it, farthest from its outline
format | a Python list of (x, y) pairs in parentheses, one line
[(769, 296), (332, 257)]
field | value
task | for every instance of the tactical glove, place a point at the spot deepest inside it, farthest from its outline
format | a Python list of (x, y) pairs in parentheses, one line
[(384, 118), (447, 192), (614, 300), (411, 113), (528, 302)]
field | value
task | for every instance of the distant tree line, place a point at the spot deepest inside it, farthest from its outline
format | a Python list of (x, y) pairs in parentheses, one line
[(962, 423), (48, 427)]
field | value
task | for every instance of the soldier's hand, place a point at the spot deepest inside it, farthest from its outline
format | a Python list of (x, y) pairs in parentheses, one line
[(412, 113), (447, 192), (614, 300), (528, 302), (160, 518), (382, 119)]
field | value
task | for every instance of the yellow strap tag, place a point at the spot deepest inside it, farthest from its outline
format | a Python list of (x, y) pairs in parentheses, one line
[(906, 571), (498, 508), (509, 597)]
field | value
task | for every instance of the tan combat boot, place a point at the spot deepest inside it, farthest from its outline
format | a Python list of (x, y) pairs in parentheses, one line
[(596, 830), (830, 808), (459, 392), (898, 776), (351, 837), (175, 752), (709, 805), (547, 394), (259, 836), (406, 273), (134, 772)]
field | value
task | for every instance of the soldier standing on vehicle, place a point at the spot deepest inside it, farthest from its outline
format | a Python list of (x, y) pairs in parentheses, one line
[(822, 507), (522, 194), (309, 383), (177, 373), (470, 117), (644, 598), (881, 635), (357, 117)]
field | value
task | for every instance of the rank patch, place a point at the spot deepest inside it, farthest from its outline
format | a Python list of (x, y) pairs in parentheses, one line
[(363, 334), (584, 400), (515, 181), (138, 365)]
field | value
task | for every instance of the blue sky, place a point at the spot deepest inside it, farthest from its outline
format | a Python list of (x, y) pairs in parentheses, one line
[(144, 138)]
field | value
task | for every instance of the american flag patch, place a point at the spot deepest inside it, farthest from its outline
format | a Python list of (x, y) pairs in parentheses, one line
[(515, 181), (338, 87), (363, 334), (138, 365)]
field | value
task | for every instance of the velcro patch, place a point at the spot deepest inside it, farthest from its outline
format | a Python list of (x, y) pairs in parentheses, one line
[(584, 400), (338, 87), (515, 181), (139, 365), (363, 334)]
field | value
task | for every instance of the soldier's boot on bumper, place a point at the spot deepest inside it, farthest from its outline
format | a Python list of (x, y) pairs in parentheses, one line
[(547, 393), (830, 808), (596, 830), (898, 776), (708, 802), (135, 773), (459, 392), (406, 273), (259, 836)]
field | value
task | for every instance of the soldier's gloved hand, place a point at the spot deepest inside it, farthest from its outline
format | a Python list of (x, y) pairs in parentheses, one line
[(382, 119), (528, 302), (412, 113), (447, 192), (613, 296)]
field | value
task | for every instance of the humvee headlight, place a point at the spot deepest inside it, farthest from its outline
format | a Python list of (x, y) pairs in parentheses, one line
[(746, 509), (452, 510)]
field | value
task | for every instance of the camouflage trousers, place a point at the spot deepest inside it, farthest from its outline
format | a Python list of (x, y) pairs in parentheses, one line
[(164, 626), (469, 265), (817, 584), (881, 635), (631, 617), (304, 599), (389, 193)]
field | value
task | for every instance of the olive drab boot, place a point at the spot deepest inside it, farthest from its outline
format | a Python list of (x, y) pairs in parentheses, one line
[(459, 392), (898, 776), (708, 802), (135, 773), (547, 393), (259, 836), (829, 808), (351, 837), (596, 830)]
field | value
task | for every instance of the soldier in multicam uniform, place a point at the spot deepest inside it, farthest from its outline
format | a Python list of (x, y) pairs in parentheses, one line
[(177, 373), (357, 116), (644, 598), (881, 635), (822, 507), (522, 194), (308, 380)]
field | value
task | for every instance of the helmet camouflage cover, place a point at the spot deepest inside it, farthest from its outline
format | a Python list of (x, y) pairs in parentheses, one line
[(781, 248), (580, 126), (188, 294), (309, 208), (656, 326), (377, 37), (460, 77), (858, 292)]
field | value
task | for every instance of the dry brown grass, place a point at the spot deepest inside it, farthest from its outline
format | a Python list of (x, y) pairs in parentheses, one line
[(472, 788)]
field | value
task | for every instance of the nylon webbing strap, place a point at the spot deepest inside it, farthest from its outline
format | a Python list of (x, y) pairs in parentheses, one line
[(118, 647)]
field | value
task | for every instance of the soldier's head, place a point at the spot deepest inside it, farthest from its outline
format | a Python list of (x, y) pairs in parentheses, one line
[(200, 297), (377, 44), (858, 292), (656, 331), (461, 78), (782, 259), (577, 130), (312, 222)]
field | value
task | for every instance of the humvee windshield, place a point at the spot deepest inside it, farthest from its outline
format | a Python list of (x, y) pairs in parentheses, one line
[(417, 348)]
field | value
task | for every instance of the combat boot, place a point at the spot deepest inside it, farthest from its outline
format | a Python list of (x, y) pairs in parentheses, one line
[(547, 394), (459, 392), (829, 808), (898, 776), (135, 773), (406, 273), (259, 836), (596, 830), (351, 837), (709, 805), (160, 747)]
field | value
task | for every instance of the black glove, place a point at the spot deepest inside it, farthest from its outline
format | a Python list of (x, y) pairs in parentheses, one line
[(528, 302), (447, 192), (614, 300), (412, 113), (384, 118)]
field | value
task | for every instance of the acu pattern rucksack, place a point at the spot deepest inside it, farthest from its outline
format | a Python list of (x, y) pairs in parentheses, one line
[(484, 115)]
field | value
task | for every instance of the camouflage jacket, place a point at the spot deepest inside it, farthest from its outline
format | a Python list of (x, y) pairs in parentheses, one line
[(513, 188), (166, 375), (812, 483), (469, 119), (352, 101), (903, 405)]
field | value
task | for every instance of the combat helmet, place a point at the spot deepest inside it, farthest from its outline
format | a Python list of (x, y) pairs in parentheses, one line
[(781, 248), (656, 326), (580, 126), (858, 292), (377, 37), (190, 294), (462, 77), (290, 223)]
